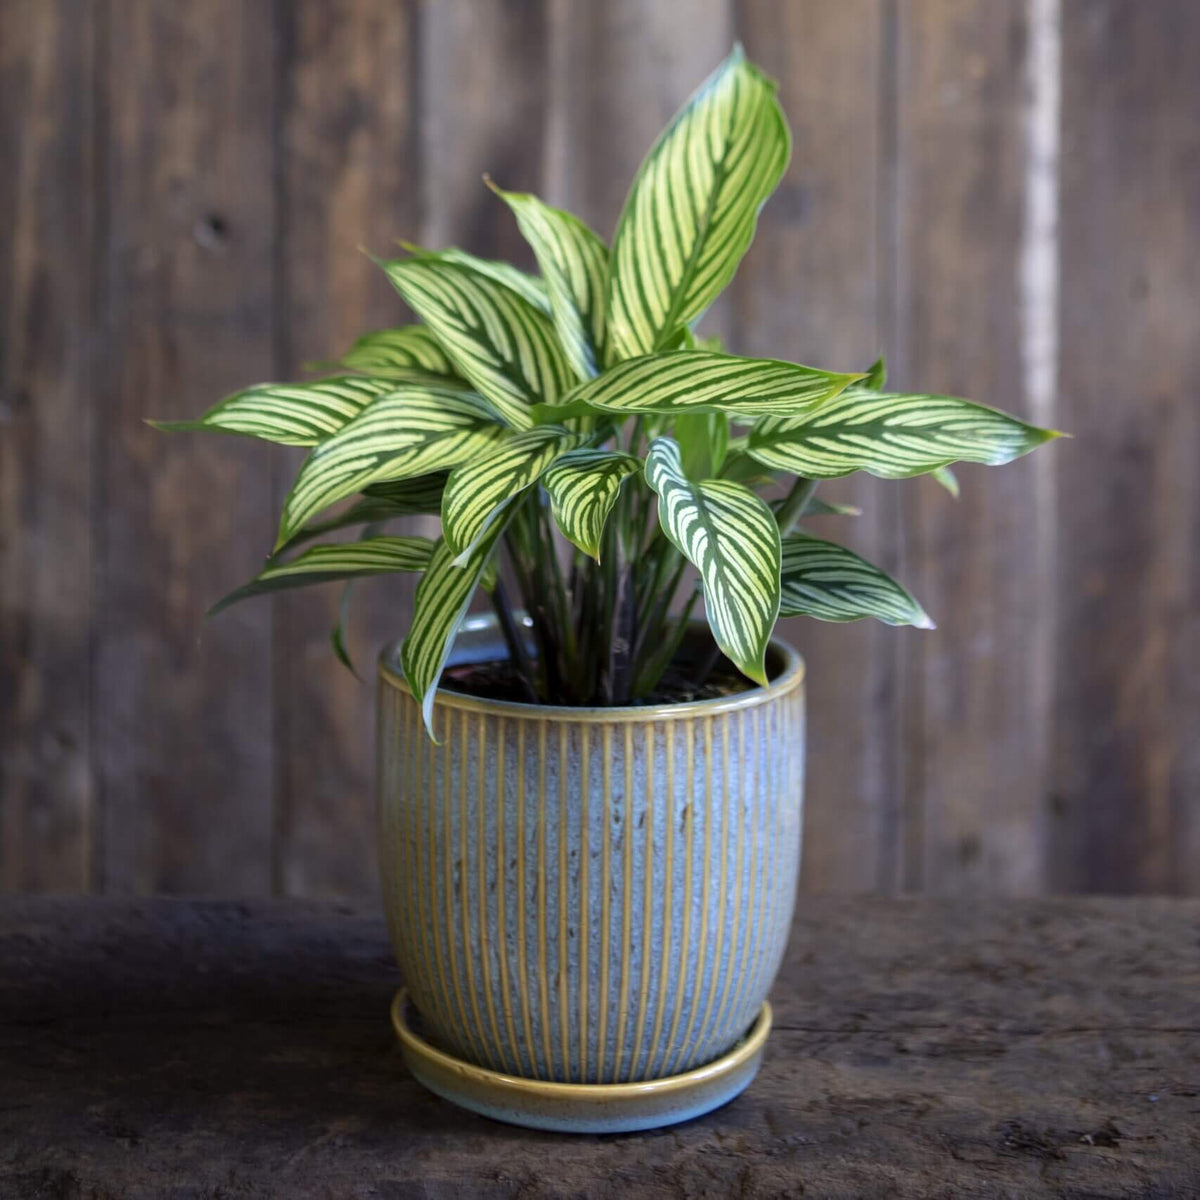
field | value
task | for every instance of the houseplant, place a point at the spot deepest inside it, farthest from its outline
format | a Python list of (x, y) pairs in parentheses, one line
[(590, 830)]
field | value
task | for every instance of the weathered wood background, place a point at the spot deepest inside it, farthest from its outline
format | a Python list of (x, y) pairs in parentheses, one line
[(1002, 194)]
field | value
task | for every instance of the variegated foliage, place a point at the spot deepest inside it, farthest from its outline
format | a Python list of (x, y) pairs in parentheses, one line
[(581, 400)]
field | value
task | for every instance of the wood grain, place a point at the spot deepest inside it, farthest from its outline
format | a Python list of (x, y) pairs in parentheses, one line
[(921, 1048), (1127, 753), (811, 290), (184, 193), (350, 177), (183, 708), (975, 732), (47, 262)]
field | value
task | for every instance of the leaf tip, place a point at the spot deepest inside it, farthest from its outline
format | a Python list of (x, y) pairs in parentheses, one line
[(923, 621)]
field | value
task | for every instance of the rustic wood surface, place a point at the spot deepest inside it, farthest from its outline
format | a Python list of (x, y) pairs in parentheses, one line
[(183, 194), (922, 1048)]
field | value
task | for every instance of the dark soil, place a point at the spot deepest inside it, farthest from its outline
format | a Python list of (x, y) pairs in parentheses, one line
[(499, 681)]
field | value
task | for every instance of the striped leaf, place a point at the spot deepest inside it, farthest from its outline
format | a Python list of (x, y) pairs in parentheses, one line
[(477, 490), (529, 287), (397, 353), (891, 435), (731, 538), (293, 414), (695, 380), (827, 581), (574, 263), (326, 564), (583, 487), (402, 435), (441, 602), (383, 502), (496, 339), (692, 209)]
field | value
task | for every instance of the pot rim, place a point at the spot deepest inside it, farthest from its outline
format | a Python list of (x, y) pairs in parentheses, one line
[(787, 681)]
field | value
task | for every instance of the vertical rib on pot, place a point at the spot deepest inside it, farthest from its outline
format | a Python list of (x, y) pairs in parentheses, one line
[(591, 895)]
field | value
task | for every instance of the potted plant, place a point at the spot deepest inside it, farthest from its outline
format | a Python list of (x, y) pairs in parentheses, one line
[(590, 801)]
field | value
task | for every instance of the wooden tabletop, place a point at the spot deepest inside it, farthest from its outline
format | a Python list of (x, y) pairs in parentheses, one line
[(921, 1048)]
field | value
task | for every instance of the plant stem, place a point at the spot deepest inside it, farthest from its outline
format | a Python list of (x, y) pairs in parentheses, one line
[(512, 636), (794, 504)]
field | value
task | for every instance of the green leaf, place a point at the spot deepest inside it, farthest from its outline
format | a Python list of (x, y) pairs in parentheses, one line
[(397, 353), (695, 380), (406, 434), (292, 414), (442, 599), (383, 502), (947, 479), (730, 536), (583, 487), (876, 377), (326, 564), (827, 581), (496, 339), (692, 209), (337, 635), (527, 286), (817, 507), (703, 439), (574, 262), (477, 490), (891, 435)]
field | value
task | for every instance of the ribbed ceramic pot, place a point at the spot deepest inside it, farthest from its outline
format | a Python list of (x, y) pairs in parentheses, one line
[(590, 895)]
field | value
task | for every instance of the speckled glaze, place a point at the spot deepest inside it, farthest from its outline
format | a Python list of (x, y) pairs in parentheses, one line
[(590, 896)]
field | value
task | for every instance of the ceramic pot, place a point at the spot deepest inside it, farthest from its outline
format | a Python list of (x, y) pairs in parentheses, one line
[(592, 902)]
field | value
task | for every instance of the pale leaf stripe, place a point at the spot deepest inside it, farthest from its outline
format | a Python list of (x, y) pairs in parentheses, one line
[(496, 339), (325, 564), (292, 414), (891, 435), (476, 490), (583, 487), (574, 262), (730, 536), (400, 436), (824, 580), (441, 602), (696, 380), (692, 209)]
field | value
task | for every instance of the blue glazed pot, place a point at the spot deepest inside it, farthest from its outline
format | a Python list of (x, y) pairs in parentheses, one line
[(595, 896)]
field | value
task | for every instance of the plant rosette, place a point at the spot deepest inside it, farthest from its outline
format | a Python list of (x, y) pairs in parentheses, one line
[(590, 831)]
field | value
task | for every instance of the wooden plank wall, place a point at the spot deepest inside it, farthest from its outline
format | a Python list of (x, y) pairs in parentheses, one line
[(1003, 196)]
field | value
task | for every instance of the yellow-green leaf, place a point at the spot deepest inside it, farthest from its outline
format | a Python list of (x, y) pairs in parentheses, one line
[(824, 580), (292, 414), (692, 209), (397, 353), (400, 436), (695, 380), (574, 263), (498, 340), (477, 490), (583, 487), (441, 602), (891, 435), (326, 564), (730, 536)]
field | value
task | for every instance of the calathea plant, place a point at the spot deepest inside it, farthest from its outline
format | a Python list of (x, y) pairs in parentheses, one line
[(583, 446)]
